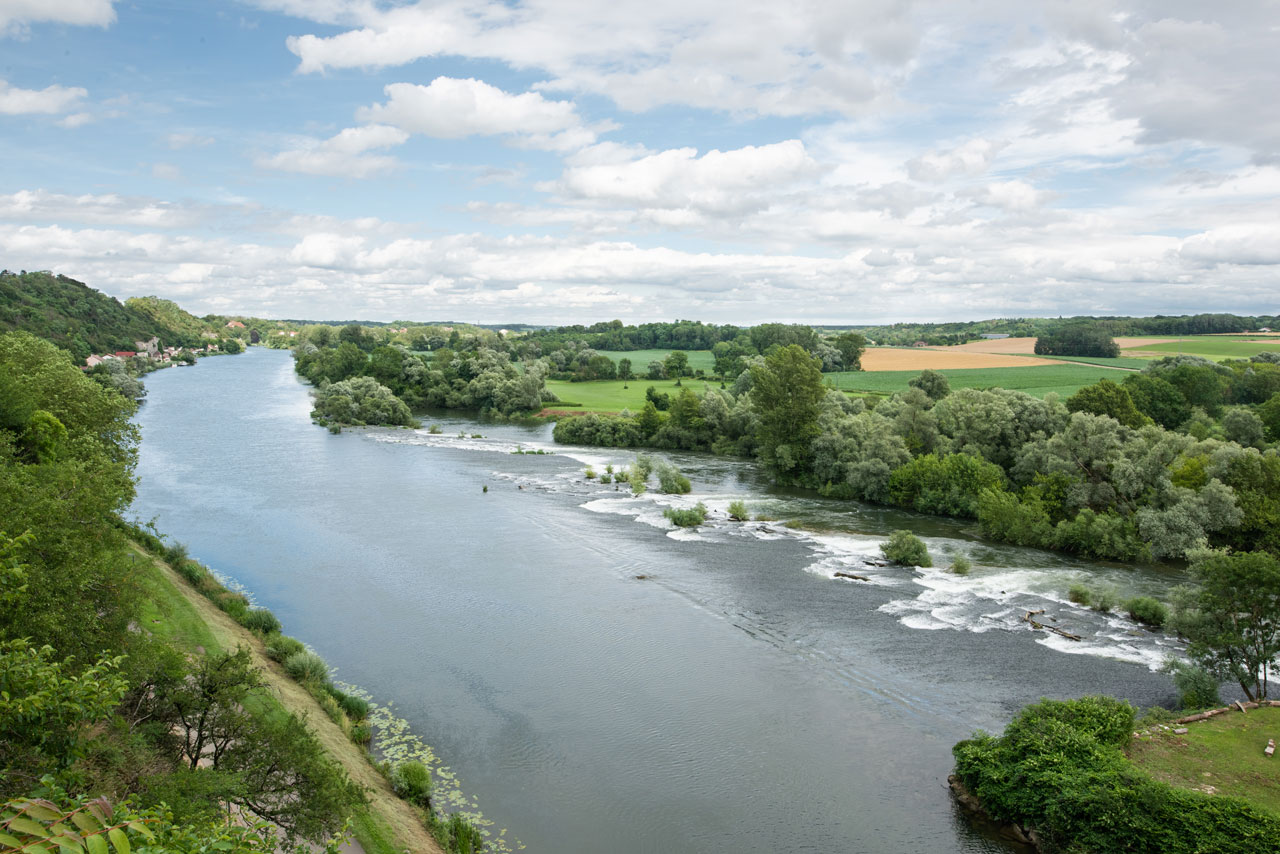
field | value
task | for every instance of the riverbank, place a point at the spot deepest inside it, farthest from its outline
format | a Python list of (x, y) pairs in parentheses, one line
[(192, 623)]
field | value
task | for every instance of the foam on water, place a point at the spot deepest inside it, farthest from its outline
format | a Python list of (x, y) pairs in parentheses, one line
[(934, 599)]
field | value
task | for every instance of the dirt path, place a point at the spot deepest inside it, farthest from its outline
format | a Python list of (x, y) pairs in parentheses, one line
[(408, 831)]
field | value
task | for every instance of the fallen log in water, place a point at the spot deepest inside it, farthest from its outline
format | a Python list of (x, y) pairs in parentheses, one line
[(1026, 618), (842, 574)]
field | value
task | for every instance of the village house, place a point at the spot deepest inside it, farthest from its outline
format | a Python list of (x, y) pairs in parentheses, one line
[(234, 324)]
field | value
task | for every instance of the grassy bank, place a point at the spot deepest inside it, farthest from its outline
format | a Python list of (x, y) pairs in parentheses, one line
[(1222, 755), (640, 359), (1209, 346), (180, 614), (611, 396)]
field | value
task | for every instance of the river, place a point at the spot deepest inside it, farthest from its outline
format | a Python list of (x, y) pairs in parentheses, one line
[(598, 681)]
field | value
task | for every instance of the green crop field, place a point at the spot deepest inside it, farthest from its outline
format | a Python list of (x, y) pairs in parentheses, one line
[(1128, 362), (1224, 752), (1211, 346), (640, 359), (610, 396), (1038, 381)]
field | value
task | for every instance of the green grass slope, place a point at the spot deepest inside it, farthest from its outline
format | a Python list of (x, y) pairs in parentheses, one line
[(1037, 380)]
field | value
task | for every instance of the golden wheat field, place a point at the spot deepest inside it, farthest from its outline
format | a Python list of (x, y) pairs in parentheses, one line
[(943, 358)]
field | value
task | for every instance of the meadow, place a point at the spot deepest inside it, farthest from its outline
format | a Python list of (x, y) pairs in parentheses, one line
[(611, 396), (1209, 346), (1038, 381), (1224, 752), (640, 359)]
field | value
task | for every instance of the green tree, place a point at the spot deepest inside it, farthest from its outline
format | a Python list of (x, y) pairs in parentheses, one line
[(1233, 619), (851, 346), (677, 364), (624, 370), (932, 383), (1106, 398), (906, 549), (786, 389)]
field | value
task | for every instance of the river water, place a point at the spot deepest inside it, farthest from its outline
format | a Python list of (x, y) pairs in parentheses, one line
[(601, 682)]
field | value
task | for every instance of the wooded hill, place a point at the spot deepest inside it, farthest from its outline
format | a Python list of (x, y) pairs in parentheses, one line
[(84, 321)]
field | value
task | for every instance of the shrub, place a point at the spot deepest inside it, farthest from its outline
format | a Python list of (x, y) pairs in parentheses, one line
[(176, 554), (590, 473), (191, 571), (306, 666), (281, 647), (435, 430), (463, 837), (690, 518), (1059, 768), (643, 466), (361, 733), (1197, 687), (606, 478), (906, 549), (1105, 599), (357, 708), (671, 481), (260, 620), (1080, 595), (1146, 610), (637, 482), (235, 605), (412, 781), (738, 511), (332, 709), (961, 565)]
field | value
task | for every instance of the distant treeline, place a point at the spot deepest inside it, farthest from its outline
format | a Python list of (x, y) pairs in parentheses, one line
[(945, 334)]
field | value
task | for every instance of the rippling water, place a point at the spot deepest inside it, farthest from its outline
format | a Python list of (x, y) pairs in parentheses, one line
[(600, 681)]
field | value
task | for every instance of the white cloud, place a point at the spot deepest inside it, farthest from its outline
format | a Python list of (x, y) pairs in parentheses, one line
[(755, 56), (343, 155), (971, 158), (49, 100), (76, 120), (449, 108), (1243, 243), (15, 15), (718, 181)]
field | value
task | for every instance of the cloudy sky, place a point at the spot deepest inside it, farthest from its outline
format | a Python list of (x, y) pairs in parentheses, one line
[(859, 161)]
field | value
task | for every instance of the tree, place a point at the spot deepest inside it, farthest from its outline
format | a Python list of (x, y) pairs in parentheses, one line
[(624, 370), (656, 371), (906, 549), (932, 383), (786, 390), (1106, 398), (1233, 620), (677, 364), (1078, 339), (851, 346)]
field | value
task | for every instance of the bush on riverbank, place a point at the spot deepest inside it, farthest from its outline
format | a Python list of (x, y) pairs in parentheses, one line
[(1060, 768)]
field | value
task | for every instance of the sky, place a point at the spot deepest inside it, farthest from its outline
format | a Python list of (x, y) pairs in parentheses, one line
[(566, 161)]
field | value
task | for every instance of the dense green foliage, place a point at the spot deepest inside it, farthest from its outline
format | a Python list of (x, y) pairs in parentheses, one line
[(1171, 459), (479, 375), (84, 321), (687, 517), (1078, 339), (1059, 768), (906, 549), (1233, 617), (91, 704)]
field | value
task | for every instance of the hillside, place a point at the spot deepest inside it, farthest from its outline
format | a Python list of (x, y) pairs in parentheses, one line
[(82, 320)]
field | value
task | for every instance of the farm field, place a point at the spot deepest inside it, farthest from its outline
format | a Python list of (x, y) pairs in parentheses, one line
[(1209, 346), (640, 359), (1126, 362), (941, 358), (1038, 380), (1224, 753), (610, 396)]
